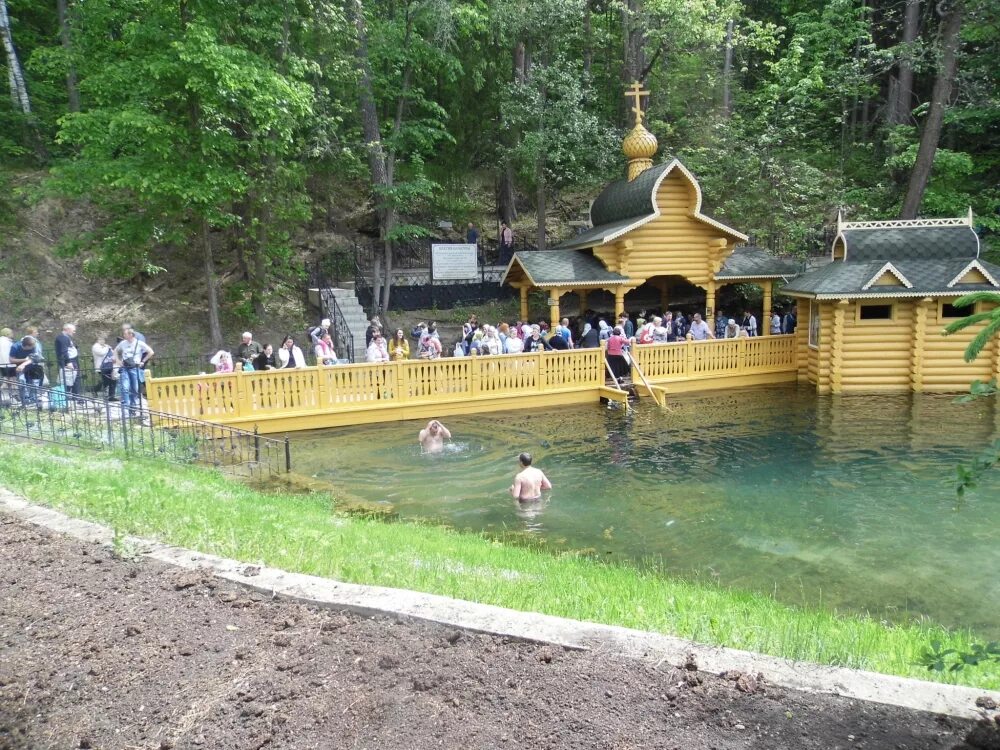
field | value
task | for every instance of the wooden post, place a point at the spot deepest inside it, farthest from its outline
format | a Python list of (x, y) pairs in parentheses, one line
[(582, 294), (524, 303), (242, 400), (619, 302), (689, 359), (765, 324), (919, 339), (710, 305), (554, 295), (321, 380), (837, 347)]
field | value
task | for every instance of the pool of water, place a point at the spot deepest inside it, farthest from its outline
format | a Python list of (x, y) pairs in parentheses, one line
[(843, 502)]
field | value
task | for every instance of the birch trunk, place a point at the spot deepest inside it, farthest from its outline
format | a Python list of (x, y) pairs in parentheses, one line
[(18, 90)]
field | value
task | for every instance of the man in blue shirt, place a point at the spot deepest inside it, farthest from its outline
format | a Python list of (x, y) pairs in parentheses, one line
[(29, 368)]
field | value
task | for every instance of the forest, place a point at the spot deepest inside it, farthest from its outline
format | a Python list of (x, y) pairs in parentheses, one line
[(229, 129)]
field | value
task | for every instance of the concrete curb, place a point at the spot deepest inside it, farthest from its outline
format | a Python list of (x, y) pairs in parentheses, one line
[(918, 695)]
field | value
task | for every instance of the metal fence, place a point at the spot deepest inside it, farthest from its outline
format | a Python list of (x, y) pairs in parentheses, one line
[(51, 415), (343, 339)]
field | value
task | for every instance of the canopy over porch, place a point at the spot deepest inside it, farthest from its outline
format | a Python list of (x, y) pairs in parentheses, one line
[(559, 272)]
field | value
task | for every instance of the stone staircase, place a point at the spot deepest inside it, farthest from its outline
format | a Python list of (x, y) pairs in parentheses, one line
[(354, 316)]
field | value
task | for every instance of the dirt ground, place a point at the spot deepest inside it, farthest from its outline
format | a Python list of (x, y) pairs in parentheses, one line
[(103, 652)]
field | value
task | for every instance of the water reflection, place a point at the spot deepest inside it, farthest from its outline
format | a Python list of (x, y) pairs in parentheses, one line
[(842, 501)]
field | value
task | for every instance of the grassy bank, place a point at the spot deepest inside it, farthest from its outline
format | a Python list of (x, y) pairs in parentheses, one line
[(198, 508)]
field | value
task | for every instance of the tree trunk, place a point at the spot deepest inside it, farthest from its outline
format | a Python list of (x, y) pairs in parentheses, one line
[(540, 179), (901, 87), (506, 209), (588, 40), (214, 326), (951, 27), (258, 276), (727, 73), (72, 93), (18, 90), (373, 141)]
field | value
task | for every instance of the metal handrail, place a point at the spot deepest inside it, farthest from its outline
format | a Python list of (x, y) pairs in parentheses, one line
[(51, 415), (343, 338)]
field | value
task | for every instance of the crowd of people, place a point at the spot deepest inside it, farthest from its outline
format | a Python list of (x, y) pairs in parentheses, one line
[(120, 369)]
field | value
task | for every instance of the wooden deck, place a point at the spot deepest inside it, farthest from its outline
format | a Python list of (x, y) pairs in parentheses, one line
[(318, 397)]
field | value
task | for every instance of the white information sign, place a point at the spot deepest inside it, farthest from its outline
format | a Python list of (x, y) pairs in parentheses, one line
[(454, 262)]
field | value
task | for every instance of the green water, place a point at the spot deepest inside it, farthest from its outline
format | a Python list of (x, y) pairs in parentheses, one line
[(843, 502)]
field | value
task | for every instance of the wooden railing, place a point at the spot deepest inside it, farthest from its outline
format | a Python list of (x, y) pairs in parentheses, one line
[(691, 360), (364, 386), (460, 380)]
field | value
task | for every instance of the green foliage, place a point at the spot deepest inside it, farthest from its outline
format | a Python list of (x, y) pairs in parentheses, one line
[(991, 317), (940, 659)]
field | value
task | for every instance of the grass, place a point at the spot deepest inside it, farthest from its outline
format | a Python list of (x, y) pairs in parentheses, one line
[(200, 509)]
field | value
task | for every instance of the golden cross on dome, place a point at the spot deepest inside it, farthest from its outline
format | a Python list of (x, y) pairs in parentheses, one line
[(635, 92)]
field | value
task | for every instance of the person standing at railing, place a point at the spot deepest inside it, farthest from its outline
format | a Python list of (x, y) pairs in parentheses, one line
[(699, 329), (222, 360), (720, 324), (68, 359), (29, 366), (104, 366), (373, 325), (535, 342), (617, 346), (589, 339), (6, 342), (732, 330), (400, 347), (430, 343), (324, 351), (775, 328), (316, 334), (132, 355), (749, 323), (247, 351), (289, 355), (266, 360), (377, 351)]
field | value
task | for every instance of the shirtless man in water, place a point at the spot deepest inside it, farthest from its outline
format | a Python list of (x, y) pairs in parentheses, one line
[(432, 437), (529, 482)]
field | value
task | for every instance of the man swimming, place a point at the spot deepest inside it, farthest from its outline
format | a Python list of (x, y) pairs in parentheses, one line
[(529, 482), (432, 437)]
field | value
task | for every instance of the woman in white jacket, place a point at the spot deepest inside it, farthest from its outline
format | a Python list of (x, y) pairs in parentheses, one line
[(289, 355)]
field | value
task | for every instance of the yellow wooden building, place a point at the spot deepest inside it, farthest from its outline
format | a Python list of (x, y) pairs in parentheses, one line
[(647, 233), (873, 319)]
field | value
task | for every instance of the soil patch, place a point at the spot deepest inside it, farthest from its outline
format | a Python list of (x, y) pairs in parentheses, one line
[(103, 652)]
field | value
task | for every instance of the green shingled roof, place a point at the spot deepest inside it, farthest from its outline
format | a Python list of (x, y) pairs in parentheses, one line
[(925, 277), (913, 243), (556, 267), (752, 262), (627, 200), (619, 206)]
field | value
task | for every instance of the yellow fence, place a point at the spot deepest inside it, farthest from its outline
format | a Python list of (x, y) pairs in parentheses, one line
[(281, 400), (357, 387), (692, 360)]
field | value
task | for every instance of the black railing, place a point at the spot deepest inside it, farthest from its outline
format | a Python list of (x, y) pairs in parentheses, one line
[(343, 338), (50, 414)]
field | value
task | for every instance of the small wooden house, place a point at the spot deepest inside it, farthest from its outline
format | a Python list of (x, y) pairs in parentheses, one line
[(873, 319)]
